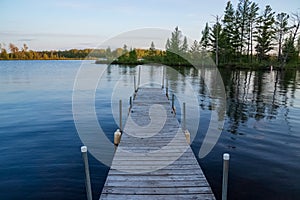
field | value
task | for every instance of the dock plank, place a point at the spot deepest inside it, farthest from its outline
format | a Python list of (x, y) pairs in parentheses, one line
[(154, 164)]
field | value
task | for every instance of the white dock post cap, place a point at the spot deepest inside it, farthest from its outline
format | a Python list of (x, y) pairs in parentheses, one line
[(83, 149), (226, 156)]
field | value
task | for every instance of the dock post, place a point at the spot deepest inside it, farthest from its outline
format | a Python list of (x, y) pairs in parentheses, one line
[(134, 84), (120, 112), (117, 137), (139, 78), (130, 104), (184, 119), (173, 101), (167, 89), (87, 173), (163, 78), (173, 105), (226, 158), (186, 132)]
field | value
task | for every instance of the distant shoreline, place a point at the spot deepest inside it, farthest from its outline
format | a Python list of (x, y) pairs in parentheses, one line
[(242, 66)]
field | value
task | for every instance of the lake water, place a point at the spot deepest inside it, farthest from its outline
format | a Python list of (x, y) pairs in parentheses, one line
[(40, 148)]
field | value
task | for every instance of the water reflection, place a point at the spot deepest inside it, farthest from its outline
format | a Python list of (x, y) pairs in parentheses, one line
[(258, 95), (261, 129), (261, 126)]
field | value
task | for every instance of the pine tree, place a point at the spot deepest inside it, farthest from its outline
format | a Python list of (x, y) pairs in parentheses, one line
[(230, 32), (265, 33), (204, 42), (281, 29), (288, 49), (291, 40), (125, 48), (195, 47), (174, 44), (252, 19), (195, 52), (168, 45), (176, 48), (132, 56), (184, 47), (214, 40), (243, 11), (152, 47)]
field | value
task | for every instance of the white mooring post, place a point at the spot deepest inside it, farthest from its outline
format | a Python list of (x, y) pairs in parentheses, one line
[(117, 137), (87, 173), (186, 132), (226, 158)]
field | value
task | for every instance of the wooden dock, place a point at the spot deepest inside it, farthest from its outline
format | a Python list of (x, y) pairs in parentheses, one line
[(153, 160)]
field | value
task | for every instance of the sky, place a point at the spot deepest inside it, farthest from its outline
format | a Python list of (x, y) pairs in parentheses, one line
[(66, 24)]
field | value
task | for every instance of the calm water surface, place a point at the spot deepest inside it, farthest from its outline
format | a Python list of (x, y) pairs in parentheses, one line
[(40, 148)]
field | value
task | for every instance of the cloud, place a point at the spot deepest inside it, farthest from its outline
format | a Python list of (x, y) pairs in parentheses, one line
[(25, 39)]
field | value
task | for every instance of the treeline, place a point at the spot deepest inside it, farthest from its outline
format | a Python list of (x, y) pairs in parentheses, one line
[(246, 36), (24, 53), (134, 56), (249, 34)]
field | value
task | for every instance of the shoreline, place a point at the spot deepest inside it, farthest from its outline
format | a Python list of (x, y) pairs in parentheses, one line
[(242, 66)]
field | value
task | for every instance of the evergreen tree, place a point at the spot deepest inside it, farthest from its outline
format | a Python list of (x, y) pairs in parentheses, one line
[(198, 56), (152, 47), (298, 44), (232, 39), (252, 19), (195, 47), (195, 50), (176, 48), (168, 45), (204, 42), (132, 56), (265, 33), (281, 29), (289, 50), (214, 40), (243, 11), (230, 31), (291, 40), (125, 48), (184, 47), (174, 45)]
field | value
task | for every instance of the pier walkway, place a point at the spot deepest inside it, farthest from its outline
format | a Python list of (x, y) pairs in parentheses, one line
[(153, 159)]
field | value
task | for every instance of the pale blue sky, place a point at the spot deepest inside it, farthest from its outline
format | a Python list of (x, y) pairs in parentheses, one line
[(59, 24)]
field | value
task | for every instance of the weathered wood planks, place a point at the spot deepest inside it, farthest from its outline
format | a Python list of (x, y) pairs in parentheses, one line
[(153, 160)]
